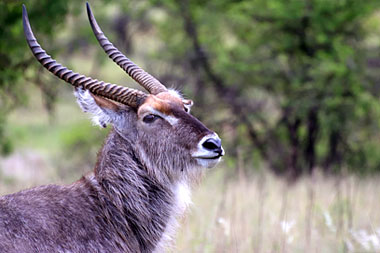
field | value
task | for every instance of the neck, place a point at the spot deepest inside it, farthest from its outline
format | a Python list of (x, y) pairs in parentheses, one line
[(142, 204)]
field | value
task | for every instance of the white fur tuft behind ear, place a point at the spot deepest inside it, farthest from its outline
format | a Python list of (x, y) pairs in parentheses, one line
[(87, 103), (187, 103)]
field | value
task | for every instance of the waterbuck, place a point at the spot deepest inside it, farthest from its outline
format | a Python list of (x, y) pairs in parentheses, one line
[(141, 182)]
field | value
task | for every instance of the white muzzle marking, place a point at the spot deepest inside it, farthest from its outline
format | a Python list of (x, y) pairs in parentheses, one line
[(209, 151)]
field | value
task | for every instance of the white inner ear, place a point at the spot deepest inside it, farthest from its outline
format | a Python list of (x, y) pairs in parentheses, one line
[(99, 116), (187, 104)]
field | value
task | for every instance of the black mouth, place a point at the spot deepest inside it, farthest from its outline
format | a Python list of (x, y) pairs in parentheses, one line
[(210, 158)]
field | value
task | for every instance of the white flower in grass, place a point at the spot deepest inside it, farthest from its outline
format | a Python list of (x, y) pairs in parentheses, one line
[(366, 240), (328, 221), (378, 231), (350, 247), (290, 239), (374, 239), (225, 225), (286, 226)]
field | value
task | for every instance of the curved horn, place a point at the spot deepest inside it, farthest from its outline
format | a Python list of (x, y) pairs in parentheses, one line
[(121, 94), (150, 83)]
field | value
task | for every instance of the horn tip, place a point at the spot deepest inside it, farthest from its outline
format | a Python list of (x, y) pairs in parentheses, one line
[(24, 12), (92, 20), (25, 20)]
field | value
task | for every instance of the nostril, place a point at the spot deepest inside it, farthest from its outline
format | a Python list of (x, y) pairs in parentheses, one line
[(212, 144), (209, 145)]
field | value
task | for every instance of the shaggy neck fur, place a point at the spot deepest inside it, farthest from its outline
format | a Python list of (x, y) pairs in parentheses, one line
[(143, 205)]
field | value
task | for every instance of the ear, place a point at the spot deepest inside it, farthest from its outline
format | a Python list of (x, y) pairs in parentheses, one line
[(187, 103), (103, 110)]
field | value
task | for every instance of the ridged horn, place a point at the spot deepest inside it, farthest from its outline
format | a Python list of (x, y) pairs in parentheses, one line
[(147, 81), (124, 95)]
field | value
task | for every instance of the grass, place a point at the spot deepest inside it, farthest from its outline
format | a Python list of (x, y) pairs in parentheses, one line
[(265, 214)]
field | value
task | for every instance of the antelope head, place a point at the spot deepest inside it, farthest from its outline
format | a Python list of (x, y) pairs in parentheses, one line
[(158, 124)]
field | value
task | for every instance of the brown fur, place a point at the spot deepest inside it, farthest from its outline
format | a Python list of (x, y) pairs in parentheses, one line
[(163, 102)]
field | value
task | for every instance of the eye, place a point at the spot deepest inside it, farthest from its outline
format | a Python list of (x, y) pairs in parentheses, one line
[(150, 118), (186, 109)]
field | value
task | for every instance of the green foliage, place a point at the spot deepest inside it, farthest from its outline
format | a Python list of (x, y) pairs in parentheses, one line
[(18, 68), (14, 59), (306, 61), (6, 146), (80, 144)]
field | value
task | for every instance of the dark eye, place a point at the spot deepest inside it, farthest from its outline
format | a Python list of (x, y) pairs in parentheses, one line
[(186, 109), (150, 118)]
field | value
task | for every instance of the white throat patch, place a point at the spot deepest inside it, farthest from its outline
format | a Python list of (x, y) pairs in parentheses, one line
[(182, 200)]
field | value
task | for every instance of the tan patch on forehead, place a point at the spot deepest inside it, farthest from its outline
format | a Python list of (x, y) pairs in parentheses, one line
[(163, 102)]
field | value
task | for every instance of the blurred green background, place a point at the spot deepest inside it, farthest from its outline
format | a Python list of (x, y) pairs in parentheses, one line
[(292, 87)]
